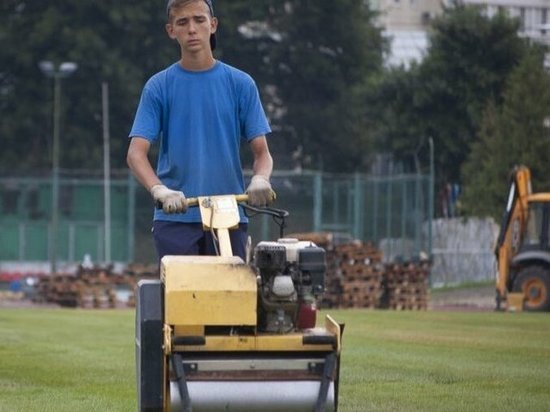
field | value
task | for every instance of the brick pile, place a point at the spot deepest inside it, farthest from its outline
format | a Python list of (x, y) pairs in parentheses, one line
[(358, 271), (357, 277), (407, 285), (95, 287), (354, 276)]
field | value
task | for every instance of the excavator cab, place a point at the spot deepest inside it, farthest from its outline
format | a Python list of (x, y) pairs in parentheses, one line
[(523, 246), (536, 229)]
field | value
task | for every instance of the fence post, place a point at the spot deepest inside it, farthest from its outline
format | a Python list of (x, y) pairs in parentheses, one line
[(389, 200), (431, 197), (317, 201), (376, 183), (404, 202), (359, 209), (418, 215)]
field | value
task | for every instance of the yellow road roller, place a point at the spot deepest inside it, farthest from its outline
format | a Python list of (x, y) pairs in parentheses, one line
[(216, 333)]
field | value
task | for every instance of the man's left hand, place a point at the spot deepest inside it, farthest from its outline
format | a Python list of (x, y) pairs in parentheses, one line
[(259, 191)]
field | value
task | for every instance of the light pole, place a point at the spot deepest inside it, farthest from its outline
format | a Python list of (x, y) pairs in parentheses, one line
[(56, 72)]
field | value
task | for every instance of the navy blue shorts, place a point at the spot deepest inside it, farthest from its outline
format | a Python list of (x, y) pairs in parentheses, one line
[(176, 238)]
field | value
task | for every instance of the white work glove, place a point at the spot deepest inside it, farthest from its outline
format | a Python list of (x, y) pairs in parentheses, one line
[(259, 191), (172, 201)]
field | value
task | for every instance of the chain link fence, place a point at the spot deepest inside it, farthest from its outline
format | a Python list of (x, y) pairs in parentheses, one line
[(388, 211)]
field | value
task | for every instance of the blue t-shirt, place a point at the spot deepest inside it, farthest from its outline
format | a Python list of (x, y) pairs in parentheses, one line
[(199, 119)]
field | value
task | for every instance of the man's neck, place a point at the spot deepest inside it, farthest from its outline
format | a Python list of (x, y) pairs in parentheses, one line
[(198, 62)]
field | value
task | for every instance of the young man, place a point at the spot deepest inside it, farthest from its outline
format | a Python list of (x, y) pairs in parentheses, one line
[(198, 110)]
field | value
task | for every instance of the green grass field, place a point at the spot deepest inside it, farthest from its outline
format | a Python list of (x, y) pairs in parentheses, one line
[(83, 360)]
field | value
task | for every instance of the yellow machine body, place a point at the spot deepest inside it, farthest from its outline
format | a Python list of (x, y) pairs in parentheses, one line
[(203, 291), (208, 345), (266, 342), (208, 290)]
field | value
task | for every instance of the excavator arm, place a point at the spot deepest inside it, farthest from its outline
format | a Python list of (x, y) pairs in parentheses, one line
[(512, 227)]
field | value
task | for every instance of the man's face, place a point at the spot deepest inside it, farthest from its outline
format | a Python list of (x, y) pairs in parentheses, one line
[(191, 25)]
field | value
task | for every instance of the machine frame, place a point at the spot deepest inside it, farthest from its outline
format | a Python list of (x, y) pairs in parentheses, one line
[(198, 343)]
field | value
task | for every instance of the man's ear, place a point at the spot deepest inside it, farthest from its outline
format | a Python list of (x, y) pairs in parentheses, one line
[(213, 25), (170, 30)]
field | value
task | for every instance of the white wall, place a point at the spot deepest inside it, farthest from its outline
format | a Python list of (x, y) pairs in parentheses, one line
[(463, 250)]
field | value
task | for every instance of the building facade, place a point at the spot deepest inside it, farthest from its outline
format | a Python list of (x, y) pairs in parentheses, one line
[(406, 23)]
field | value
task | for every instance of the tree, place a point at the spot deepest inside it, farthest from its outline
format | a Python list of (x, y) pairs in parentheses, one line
[(122, 43), (309, 59), (517, 133), (467, 63), (393, 110), (319, 68)]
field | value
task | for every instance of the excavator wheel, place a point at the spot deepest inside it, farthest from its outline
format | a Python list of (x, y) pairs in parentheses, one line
[(534, 282)]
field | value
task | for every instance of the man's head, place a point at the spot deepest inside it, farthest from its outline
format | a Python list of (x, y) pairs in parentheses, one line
[(176, 4)]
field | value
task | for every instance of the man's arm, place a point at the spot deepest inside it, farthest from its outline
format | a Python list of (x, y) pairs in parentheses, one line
[(172, 201), (263, 162), (139, 164), (259, 190)]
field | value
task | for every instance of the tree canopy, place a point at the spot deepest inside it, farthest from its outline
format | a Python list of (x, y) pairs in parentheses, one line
[(517, 132), (443, 97), (319, 68), (118, 44), (308, 65)]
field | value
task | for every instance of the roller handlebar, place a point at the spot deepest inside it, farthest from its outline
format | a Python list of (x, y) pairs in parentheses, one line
[(194, 201), (278, 214)]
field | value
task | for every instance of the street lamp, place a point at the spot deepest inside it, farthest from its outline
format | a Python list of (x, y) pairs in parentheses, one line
[(56, 72)]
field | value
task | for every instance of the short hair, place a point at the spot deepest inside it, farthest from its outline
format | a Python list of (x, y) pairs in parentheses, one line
[(171, 4)]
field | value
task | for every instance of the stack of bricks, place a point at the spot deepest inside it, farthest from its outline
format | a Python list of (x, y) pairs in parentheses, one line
[(357, 278), (360, 273), (88, 288), (406, 285), (354, 276), (94, 287), (98, 287), (61, 288), (354, 271)]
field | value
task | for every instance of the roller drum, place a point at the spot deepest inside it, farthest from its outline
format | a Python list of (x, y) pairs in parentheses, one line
[(252, 396)]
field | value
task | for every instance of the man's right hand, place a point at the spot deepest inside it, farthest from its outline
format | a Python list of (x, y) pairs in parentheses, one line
[(172, 201)]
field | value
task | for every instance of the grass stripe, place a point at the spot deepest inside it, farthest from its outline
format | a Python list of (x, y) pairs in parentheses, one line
[(83, 360)]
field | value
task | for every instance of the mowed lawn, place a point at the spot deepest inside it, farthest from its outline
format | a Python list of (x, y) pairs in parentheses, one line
[(83, 360)]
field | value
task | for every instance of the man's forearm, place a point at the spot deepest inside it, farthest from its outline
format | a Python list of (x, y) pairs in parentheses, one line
[(141, 167), (263, 165), (263, 162), (145, 174)]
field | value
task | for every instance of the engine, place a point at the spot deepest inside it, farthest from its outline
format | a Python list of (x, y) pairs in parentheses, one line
[(291, 277)]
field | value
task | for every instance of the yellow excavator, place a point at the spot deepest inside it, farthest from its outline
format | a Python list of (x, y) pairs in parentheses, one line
[(216, 333), (523, 246)]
